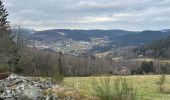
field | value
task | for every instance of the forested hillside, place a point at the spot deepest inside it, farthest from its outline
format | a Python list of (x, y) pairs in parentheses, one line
[(78, 35), (158, 48), (141, 37)]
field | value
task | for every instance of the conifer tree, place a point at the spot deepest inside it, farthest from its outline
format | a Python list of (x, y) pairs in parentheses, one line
[(4, 24), (8, 48)]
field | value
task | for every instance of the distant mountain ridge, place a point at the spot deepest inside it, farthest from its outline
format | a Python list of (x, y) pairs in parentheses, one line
[(121, 36), (106, 39), (79, 35)]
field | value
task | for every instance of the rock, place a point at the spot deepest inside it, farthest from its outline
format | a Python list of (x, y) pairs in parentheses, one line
[(68, 98), (32, 92), (12, 76), (8, 94), (10, 99), (52, 97), (23, 98), (2, 88), (41, 98), (16, 87)]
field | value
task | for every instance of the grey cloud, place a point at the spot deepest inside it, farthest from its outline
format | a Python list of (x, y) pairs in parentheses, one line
[(89, 14)]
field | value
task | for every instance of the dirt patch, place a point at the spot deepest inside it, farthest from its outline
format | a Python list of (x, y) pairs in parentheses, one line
[(4, 75)]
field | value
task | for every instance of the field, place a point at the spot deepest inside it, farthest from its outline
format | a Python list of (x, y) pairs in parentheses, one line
[(146, 85)]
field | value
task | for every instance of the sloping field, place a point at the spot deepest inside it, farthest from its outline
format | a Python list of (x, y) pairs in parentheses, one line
[(146, 85)]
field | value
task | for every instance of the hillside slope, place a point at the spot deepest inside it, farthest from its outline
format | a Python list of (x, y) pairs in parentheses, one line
[(158, 48), (79, 35), (141, 37)]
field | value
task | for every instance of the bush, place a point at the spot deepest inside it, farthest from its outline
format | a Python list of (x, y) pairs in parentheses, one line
[(117, 89), (147, 67)]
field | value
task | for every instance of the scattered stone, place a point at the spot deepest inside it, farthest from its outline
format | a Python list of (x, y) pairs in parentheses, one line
[(2, 89), (52, 97), (16, 87)]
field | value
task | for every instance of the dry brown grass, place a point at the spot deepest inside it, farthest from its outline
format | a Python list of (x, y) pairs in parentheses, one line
[(63, 92)]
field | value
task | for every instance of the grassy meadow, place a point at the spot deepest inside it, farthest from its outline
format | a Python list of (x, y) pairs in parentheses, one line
[(146, 85)]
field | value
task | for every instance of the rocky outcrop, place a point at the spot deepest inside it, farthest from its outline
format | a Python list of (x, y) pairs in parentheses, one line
[(16, 87)]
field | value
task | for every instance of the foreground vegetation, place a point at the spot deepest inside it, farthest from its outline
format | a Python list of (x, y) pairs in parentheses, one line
[(146, 85)]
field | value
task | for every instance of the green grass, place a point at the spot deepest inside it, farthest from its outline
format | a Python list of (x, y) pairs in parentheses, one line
[(146, 85)]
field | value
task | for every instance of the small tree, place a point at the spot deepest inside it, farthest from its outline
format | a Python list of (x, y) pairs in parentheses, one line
[(57, 76), (60, 64)]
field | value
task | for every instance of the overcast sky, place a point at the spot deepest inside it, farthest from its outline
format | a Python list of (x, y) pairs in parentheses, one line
[(90, 14)]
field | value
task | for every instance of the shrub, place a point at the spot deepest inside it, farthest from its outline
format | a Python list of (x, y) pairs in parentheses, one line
[(147, 67), (117, 89), (57, 78)]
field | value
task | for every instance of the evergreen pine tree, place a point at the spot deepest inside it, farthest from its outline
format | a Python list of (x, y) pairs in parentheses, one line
[(8, 48), (4, 24)]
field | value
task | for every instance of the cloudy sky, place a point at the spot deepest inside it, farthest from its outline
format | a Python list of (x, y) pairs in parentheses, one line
[(90, 14)]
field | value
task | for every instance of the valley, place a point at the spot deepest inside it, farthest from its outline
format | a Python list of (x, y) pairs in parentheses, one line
[(84, 50), (93, 41)]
